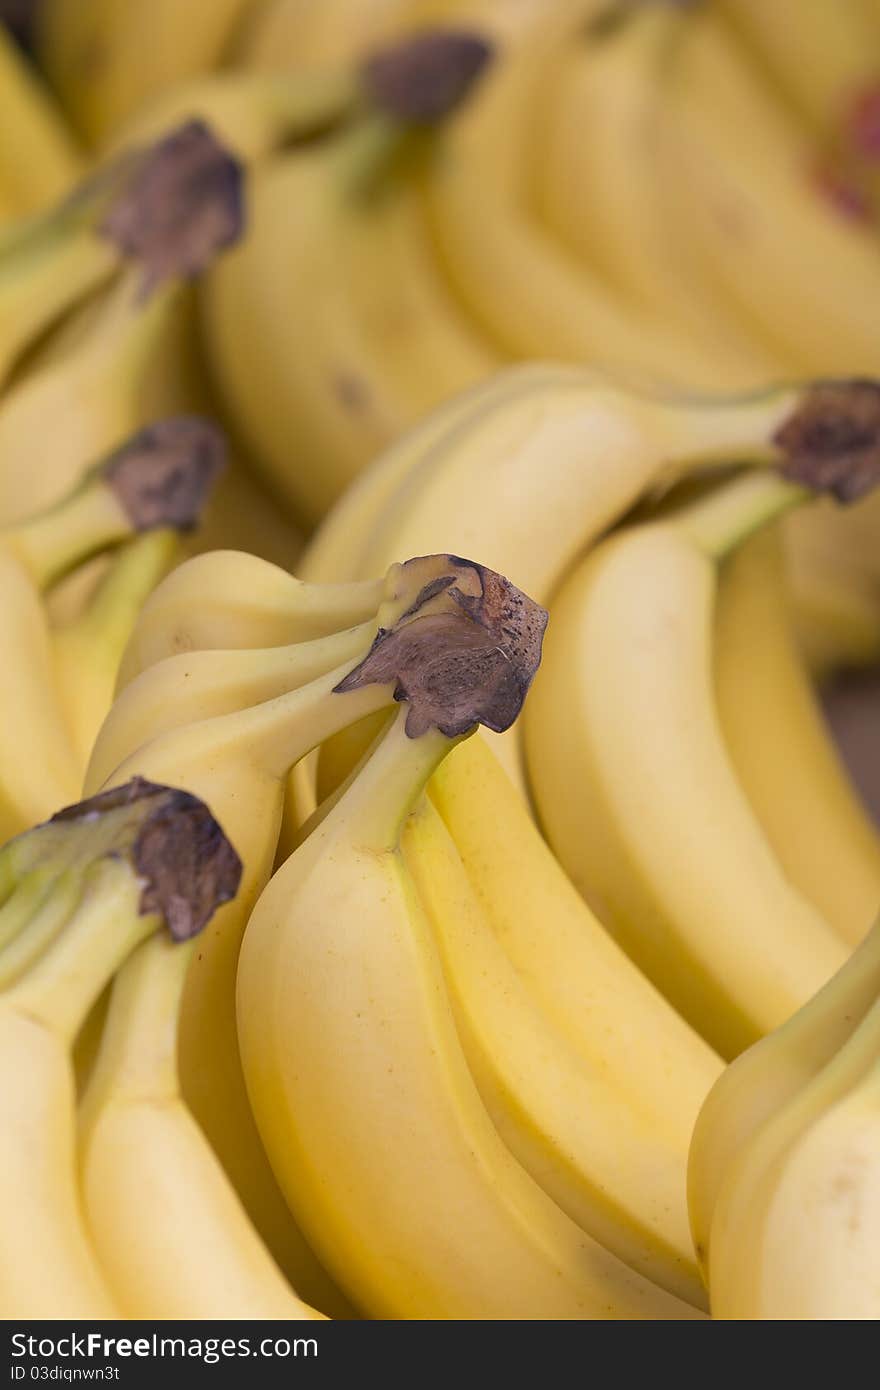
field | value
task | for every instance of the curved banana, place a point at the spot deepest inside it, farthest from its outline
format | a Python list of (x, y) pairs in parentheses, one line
[(105, 58), (114, 853), (749, 216), (39, 158), (762, 1081), (781, 749), (229, 599), (597, 184), (336, 240), (794, 1228), (606, 1159), (635, 787), (167, 1225), (381, 1095)]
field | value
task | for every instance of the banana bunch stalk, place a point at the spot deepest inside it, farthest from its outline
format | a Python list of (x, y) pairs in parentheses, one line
[(117, 252), (121, 1210), (55, 688)]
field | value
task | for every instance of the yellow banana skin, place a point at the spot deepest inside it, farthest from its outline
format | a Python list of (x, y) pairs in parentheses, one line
[(198, 685), (623, 742), (48, 1267), (781, 748), (749, 217), (602, 1161), (230, 599), (169, 1230), (39, 158), (240, 762), (380, 340), (794, 1228), (597, 186), (377, 1053), (105, 58), (762, 1081)]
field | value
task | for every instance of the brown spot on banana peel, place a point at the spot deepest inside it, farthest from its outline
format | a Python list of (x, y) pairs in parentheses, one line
[(425, 77), (163, 474), (180, 203), (463, 652), (831, 443), (186, 864)]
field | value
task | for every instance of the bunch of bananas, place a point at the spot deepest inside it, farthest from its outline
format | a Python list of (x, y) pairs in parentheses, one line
[(329, 987)]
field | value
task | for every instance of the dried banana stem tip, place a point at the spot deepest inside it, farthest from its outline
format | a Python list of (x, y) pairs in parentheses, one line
[(163, 474), (424, 78)]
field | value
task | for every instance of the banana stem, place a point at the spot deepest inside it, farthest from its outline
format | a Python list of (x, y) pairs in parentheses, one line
[(85, 522), (32, 921), (64, 982), (138, 1051), (390, 783), (725, 517), (108, 619)]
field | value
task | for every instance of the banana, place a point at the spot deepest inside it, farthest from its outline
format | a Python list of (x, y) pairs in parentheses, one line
[(794, 1229), (231, 599), (241, 760), (747, 215), (597, 187), (762, 1081), (105, 58), (381, 1095), (823, 56), (337, 239), (835, 580), (634, 784), (87, 649), (525, 290), (179, 207), (167, 1226), (202, 684), (283, 32), (158, 479), (607, 1163), (253, 113), (781, 749), (39, 158), (124, 892)]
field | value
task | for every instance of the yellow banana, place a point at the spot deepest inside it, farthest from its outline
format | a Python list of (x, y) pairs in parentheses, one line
[(598, 187), (119, 892), (230, 599), (604, 1159), (635, 786), (794, 1228), (283, 32), (337, 240), (105, 58), (39, 158), (168, 1228), (781, 749), (748, 213), (381, 1096), (762, 1081)]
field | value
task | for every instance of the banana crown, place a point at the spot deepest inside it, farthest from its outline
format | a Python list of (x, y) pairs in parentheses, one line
[(177, 204), (184, 863), (425, 77), (163, 473), (832, 441), (462, 652)]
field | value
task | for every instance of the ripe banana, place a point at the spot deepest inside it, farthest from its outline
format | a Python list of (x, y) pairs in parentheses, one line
[(281, 33), (781, 748), (123, 893), (105, 58), (39, 159), (748, 216), (367, 1007), (39, 766), (598, 190), (635, 786), (762, 1081), (167, 1225), (230, 599), (337, 240), (794, 1228)]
